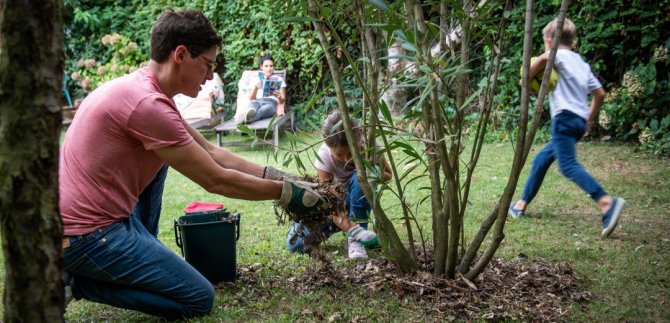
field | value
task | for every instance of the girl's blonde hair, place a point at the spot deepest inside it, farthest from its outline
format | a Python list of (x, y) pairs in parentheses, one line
[(568, 34), (333, 130)]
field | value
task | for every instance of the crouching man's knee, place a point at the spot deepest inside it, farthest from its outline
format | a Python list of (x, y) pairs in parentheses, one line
[(200, 303)]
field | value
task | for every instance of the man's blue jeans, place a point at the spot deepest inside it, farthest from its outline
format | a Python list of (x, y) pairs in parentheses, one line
[(124, 265), (358, 209), (566, 129)]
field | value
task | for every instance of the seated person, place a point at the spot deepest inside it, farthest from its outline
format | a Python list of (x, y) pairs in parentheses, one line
[(336, 163), (264, 102), (201, 107)]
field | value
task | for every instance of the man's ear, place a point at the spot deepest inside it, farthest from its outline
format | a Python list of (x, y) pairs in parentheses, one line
[(179, 54)]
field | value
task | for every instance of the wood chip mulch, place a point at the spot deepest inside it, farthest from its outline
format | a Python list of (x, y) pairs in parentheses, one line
[(516, 289), (507, 289)]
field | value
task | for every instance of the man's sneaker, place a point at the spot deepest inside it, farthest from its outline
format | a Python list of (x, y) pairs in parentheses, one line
[(355, 249), (250, 114), (514, 212), (611, 217)]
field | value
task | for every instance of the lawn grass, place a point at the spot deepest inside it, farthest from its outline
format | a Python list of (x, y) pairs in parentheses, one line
[(627, 274)]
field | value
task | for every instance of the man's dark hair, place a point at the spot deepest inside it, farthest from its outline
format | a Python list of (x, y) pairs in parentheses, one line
[(189, 28)]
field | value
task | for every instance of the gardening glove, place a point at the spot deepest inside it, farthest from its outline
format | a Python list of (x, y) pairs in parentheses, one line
[(367, 238), (277, 175), (299, 197)]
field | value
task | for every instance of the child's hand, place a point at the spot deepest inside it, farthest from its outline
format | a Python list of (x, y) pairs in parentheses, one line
[(587, 129)]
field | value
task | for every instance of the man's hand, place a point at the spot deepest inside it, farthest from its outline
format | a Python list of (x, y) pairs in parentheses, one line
[(299, 197), (276, 174)]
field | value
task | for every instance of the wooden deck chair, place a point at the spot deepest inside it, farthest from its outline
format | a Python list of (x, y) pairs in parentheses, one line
[(285, 116)]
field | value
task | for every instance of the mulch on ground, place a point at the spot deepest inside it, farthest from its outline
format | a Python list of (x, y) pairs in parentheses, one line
[(515, 289), (507, 289)]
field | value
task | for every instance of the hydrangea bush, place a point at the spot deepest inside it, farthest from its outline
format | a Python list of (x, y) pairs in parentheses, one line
[(638, 109), (125, 58)]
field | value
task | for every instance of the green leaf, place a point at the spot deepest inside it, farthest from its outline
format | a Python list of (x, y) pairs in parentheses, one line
[(385, 112), (296, 19), (295, 138), (287, 162), (398, 57), (409, 47), (245, 129), (387, 27), (665, 123), (381, 4), (470, 98), (400, 35)]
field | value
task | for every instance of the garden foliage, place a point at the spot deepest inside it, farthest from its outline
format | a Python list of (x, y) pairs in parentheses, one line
[(617, 37), (248, 28)]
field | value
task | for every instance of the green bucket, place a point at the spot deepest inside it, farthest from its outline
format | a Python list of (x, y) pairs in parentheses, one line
[(207, 241)]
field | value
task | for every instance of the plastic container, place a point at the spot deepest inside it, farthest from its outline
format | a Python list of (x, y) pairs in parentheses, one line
[(208, 242)]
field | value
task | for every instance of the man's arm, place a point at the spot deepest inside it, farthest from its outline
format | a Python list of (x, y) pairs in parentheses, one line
[(597, 97), (224, 157), (196, 164)]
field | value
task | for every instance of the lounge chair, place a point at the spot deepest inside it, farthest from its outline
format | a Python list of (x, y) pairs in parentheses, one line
[(285, 116)]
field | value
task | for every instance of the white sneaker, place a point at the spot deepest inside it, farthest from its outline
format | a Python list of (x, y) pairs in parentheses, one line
[(356, 249), (249, 114)]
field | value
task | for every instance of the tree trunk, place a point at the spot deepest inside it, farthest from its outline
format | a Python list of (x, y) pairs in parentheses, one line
[(31, 70)]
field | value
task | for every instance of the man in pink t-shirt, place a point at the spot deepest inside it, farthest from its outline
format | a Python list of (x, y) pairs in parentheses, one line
[(112, 170)]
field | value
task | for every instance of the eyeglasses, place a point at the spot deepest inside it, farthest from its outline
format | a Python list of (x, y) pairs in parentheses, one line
[(210, 64)]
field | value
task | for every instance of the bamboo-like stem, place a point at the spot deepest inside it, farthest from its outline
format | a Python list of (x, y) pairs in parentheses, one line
[(496, 60), (391, 243), (521, 153)]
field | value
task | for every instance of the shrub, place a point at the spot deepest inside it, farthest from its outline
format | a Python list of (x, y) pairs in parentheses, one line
[(638, 108), (125, 57)]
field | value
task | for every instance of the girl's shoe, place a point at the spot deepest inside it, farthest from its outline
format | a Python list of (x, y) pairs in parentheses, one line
[(355, 249)]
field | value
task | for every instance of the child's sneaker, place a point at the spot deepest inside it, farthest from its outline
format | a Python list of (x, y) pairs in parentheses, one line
[(511, 211), (367, 238), (355, 249), (611, 217)]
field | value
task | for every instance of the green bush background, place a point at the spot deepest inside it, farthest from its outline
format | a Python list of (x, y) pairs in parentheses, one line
[(616, 37)]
